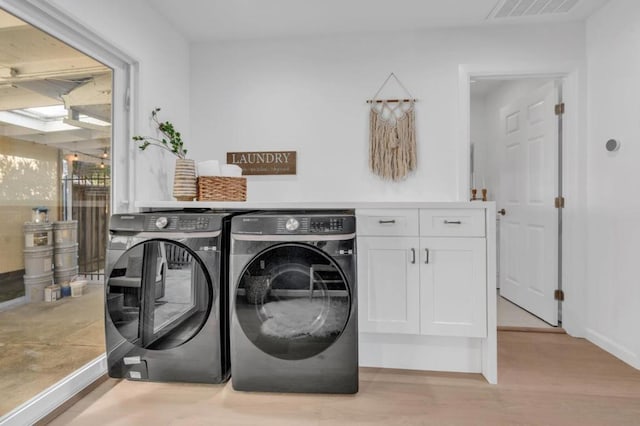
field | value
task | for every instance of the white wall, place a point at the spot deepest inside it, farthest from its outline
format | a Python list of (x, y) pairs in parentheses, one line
[(478, 131), (613, 51), (308, 94), (162, 54)]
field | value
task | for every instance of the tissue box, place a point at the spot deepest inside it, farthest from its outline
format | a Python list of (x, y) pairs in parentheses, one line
[(222, 188)]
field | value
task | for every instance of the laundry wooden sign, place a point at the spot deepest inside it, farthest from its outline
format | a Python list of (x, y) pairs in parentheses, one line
[(264, 162)]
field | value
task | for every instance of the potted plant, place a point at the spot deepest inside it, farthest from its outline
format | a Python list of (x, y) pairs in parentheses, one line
[(184, 180)]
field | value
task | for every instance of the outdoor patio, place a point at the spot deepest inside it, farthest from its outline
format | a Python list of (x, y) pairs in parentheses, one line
[(41, 343)]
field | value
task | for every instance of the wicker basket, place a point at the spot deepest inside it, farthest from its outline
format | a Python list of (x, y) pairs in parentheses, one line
[(222, 188)]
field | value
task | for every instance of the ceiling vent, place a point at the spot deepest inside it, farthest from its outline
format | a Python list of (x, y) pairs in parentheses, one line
[(523, 8)]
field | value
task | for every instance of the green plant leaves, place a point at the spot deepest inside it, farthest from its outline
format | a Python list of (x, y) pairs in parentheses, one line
[(171, 140)]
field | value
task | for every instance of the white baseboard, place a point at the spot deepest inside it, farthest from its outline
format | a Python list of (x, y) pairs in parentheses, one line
[(13, 303), (51, 398), (613, 348), (413, 352)]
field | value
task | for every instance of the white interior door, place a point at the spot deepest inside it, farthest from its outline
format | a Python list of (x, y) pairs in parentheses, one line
[(529, 185)]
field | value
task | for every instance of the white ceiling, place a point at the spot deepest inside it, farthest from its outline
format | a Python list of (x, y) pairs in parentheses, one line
[(481, 88), (38, 70), (208, 20)]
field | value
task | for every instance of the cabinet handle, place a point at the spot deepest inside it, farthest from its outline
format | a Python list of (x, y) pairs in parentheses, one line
[(452, 222), (387, 221), (413, 255), (426, 258)]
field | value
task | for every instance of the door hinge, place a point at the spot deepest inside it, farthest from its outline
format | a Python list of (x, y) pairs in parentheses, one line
[(558, 295), (559, 108), (559, 202)]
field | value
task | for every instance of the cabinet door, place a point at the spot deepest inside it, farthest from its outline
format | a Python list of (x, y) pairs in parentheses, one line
[(453, 292), (388, 285)]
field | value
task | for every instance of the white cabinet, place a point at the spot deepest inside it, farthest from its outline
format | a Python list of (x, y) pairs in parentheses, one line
[(389, 302), (453, 287), (452, 222), (389, 222), (433, 282)]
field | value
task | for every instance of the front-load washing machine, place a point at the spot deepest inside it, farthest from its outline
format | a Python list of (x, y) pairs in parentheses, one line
[(166, 316), (293, 301)]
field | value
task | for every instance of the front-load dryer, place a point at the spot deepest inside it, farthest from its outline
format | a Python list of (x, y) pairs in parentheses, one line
[(166, 316), (293, 300)]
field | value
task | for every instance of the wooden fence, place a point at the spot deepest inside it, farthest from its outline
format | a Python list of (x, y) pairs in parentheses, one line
[(90, 206)]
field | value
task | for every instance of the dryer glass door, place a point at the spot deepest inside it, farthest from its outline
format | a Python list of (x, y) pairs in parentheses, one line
[(292, 301), (158, 294)]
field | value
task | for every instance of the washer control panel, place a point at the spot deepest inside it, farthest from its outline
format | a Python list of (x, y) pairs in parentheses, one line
[(182, 223), (166, 222), (197, 223)]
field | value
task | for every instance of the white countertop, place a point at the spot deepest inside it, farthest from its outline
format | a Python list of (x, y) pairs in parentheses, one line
[(310, 205)]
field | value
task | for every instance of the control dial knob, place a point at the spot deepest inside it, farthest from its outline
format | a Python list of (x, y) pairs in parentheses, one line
[(162, 222), (292, 224)]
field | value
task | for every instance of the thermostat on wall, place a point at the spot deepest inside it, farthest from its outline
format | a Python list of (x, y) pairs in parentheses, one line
[(612, 145)]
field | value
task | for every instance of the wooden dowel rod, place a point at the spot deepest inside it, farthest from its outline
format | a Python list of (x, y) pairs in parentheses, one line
[(391, 100)]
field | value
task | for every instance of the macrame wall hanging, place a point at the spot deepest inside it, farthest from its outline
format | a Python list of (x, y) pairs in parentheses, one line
[(392, 135)]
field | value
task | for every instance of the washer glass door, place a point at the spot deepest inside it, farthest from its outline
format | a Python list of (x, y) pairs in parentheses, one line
[(292, 301), (158, 294)]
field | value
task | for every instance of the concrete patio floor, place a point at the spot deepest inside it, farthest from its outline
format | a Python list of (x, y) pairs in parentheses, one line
[(41, 343)]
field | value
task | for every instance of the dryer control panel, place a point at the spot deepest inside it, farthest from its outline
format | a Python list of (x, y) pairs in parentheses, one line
[(294, 224), (330, 224)]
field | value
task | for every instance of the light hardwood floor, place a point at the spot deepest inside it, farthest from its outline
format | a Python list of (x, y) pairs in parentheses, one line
[(512, 315), (545, 379)]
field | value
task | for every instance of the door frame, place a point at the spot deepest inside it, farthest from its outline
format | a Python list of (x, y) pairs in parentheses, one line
[(573, 253), (52, 20)]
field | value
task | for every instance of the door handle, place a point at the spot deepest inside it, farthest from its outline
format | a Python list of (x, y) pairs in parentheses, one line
[(502, 212), (426, 257), (413, 255), (452, 222), (387, 221)]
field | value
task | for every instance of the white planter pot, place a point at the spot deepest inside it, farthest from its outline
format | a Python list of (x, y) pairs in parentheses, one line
[(184, 180)]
